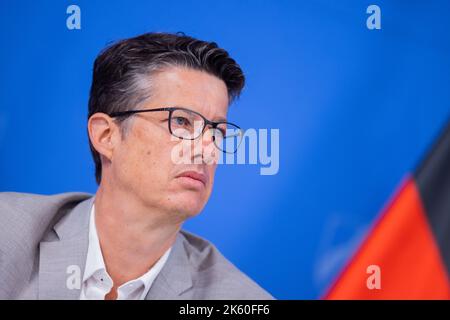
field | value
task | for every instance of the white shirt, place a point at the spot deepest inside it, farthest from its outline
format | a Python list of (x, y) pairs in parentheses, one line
[(96, 280)]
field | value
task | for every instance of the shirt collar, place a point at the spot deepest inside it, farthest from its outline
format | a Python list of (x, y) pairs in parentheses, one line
[(94, 261), (151, 274)]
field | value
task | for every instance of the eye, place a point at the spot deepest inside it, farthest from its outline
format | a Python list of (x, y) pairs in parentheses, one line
[(181, 121)]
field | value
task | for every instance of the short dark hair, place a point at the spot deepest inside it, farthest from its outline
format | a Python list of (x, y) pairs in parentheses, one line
[(122, 68)]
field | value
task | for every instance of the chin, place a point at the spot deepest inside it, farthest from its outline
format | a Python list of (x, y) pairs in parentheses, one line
[(189, 205)]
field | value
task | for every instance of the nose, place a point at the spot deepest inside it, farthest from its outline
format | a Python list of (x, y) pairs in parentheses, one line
[(208, 151), (208, 136)]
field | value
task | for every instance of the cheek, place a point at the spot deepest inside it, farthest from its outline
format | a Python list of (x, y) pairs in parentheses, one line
[(129, 165), (153, 161), (144, 158)]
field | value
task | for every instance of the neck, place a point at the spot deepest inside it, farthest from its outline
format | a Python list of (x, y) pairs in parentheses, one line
[(132, 236)]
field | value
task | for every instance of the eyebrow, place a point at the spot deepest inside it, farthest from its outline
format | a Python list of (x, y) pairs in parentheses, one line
[(220, 119)]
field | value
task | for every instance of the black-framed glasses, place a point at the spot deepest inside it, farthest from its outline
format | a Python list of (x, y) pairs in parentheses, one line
[(187, 124)]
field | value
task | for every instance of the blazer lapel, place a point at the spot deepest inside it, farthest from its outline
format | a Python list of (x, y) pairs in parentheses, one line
[(174, 278), (62, 262)]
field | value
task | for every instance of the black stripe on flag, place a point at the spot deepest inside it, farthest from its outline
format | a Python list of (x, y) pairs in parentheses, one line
[(433, 180)]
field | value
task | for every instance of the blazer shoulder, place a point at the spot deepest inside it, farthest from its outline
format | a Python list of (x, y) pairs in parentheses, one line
[(26, 214), (16, 201), (215, 277)]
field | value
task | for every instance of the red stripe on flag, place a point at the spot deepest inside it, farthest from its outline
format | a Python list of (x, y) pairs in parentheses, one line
[(402, 245)]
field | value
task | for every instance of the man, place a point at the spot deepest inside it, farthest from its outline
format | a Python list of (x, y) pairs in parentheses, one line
[(153, 98)]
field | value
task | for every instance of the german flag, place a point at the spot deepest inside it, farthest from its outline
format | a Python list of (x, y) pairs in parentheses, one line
[(406, 255)]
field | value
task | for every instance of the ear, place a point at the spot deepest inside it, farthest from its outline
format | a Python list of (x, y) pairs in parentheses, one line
[(103, 133)]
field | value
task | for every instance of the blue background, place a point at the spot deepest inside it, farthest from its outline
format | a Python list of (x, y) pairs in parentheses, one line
[(356, 109)]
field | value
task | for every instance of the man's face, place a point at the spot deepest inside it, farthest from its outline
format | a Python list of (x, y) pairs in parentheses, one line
[(143, 162)]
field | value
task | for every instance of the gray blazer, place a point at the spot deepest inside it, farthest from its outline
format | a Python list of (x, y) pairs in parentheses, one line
[(41, 236)]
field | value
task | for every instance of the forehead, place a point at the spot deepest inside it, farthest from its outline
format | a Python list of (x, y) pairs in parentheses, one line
[(193, 89)]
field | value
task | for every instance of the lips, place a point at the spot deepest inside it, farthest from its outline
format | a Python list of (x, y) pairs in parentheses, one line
[(194, 175)]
